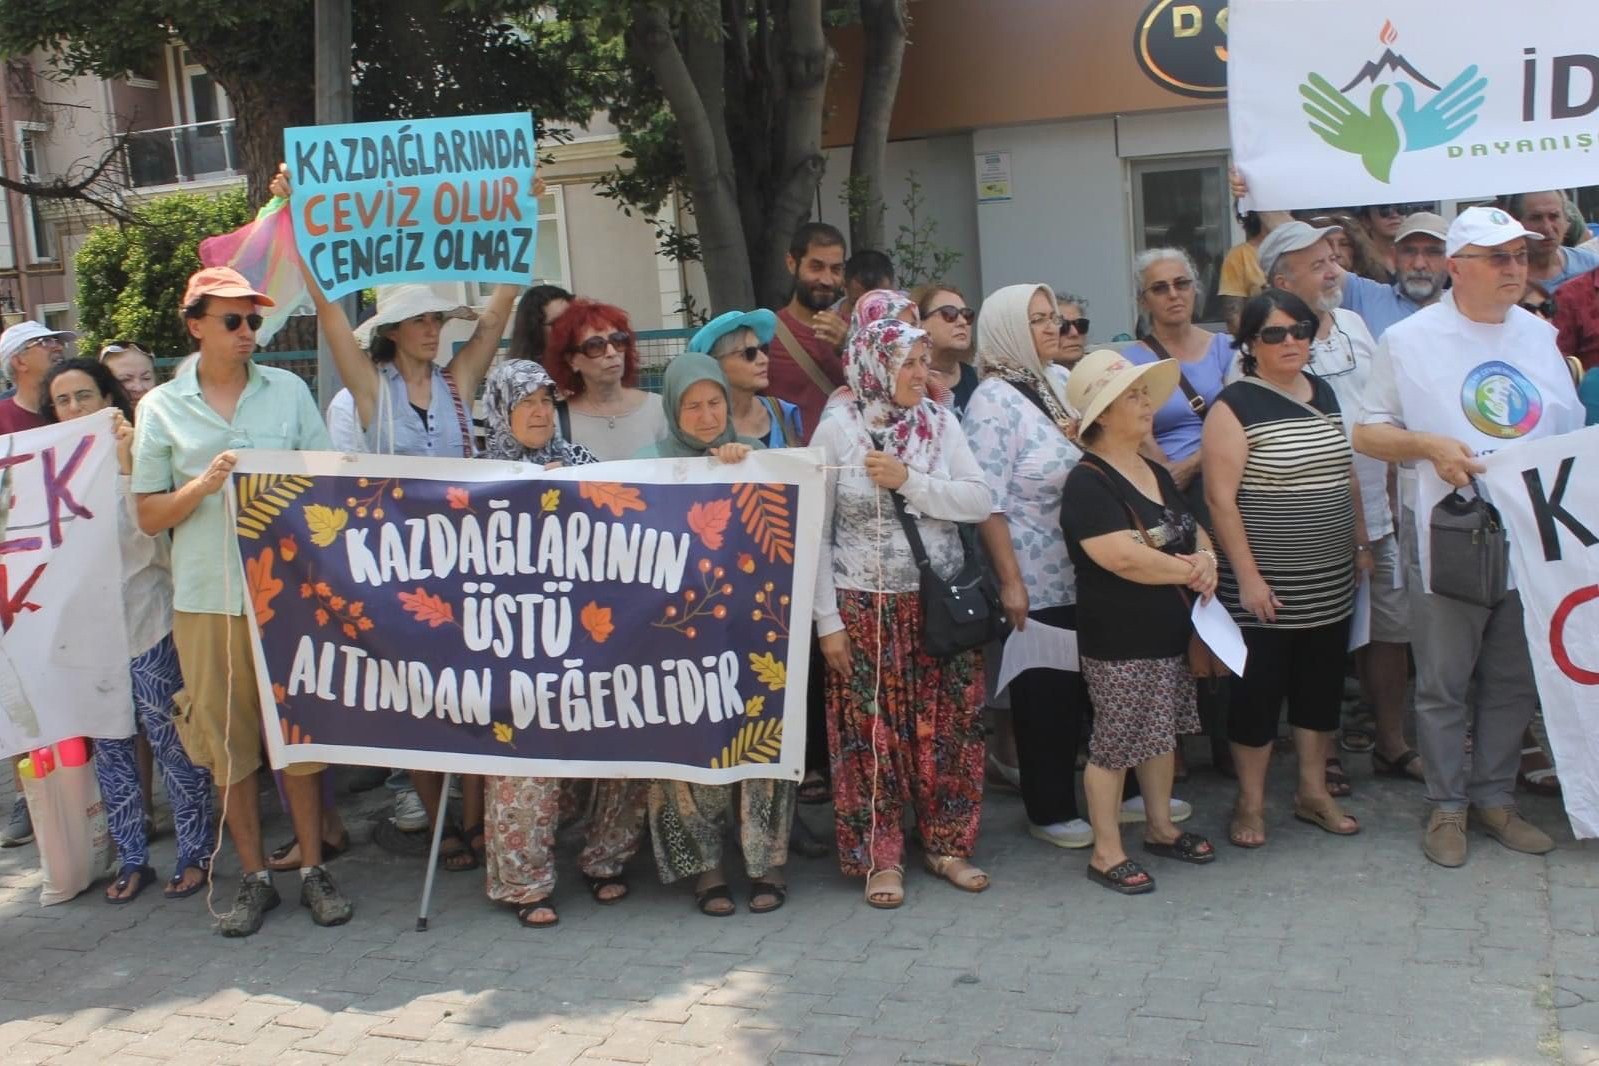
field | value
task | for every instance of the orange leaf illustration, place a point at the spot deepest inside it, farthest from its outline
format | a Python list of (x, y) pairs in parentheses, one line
[(349, 630), (321, 617), (709, 520), (306, 591), (279, 693), (356, 608), (597, 620), (262, 585), (459, 498), (611, 495), (426, 607), (764, 511), (363, 624)]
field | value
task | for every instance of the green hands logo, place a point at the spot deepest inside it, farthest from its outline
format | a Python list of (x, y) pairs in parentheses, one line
[(1378, 136)]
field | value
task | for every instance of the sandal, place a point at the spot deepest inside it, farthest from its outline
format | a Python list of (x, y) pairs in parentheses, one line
[(1358, 738), (957, 871), (524, 914), (1540, 780), (1399, 766), (600, 884), (767, 888), (815, 789), (1338, 785), (125, 877), (1122, 878), (476, 841), (279, 861), (893, 894), (175, 889), (459, 859), (1326, 816), (1188, 847), (705, 897), (1246, 823)]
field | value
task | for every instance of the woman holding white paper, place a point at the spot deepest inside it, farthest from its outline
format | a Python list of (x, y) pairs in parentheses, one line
[(1130, 532)]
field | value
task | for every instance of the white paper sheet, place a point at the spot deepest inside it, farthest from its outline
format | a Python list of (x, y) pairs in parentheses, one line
[(1038, 645), (1221, 634), (1360, 622)]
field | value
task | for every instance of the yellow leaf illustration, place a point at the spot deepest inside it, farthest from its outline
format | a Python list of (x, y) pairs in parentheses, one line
[(324, 523), (550, 500), (502, 732), (758, 742), (773, 674), (754, 706)]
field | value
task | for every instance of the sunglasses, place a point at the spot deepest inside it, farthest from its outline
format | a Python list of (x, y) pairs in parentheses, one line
[(118, 347), (750, 354), (233, 320), (1165, 288), (1079, 324), (1299, 331), (1543, 310), (949, 313), (595, 347)]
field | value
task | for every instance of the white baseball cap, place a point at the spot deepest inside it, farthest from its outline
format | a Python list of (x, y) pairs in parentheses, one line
[(1292, 236), (1487, 227), (19, 336)]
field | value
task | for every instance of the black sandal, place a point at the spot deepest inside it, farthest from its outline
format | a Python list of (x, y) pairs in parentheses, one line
[(1186, 848), (1398, 766), (767, 888), (524, 914), (479, 851), (1338, 786), (330, 852), (598, 884), (125, 877), (463, 859), (1119, 878), (702, 900)]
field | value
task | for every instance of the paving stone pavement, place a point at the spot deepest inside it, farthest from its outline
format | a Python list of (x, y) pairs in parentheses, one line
[(1311, 950)]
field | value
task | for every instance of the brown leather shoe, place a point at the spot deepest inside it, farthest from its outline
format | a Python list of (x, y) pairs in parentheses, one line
[(1506, 825), (1445, 840)]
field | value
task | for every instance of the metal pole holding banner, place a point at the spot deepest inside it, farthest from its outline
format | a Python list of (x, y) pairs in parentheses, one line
[(335, 103), (433, 853)]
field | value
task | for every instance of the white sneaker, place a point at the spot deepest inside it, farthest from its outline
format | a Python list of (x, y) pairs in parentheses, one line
[(409, 814), (1073, 834), (1133, 810)]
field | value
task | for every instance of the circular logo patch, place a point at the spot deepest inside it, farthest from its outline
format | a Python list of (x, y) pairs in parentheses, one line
[(1499, 400)]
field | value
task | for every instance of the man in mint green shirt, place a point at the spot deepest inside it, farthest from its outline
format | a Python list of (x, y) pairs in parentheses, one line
[(185, 440)]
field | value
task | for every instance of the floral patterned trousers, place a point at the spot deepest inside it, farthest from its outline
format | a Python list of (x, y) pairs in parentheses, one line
[(918, 744), (521, 820), (688, 821)]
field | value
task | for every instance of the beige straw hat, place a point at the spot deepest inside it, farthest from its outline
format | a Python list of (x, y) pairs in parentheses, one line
[(1099, 377)]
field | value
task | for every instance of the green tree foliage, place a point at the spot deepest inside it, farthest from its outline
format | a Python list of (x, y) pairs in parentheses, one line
[(131, 278)]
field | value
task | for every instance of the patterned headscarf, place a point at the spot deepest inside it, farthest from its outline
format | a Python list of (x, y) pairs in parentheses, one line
[(1005, 349), (509, 384), (872, 362), (880, 304)]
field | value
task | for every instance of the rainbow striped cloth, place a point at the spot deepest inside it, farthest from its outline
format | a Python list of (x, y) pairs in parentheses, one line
[(263, 251)]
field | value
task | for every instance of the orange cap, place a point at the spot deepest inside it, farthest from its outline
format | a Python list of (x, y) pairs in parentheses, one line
[(223, 282)]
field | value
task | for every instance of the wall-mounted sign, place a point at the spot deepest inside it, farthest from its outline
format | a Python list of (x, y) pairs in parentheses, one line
[(1182, 45), (993, 177)]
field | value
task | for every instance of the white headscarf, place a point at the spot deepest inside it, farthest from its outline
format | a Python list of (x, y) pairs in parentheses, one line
[(1005, 348)]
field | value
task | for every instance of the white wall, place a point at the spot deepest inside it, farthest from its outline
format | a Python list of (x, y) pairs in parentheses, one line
[(943, 166)]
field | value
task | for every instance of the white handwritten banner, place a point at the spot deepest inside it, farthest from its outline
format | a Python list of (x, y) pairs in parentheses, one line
[(633, 619), (1547, 492), (63, 645), (1385, 101)]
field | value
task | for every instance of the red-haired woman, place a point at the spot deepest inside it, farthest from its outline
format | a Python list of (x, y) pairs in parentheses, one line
[(593, 357)]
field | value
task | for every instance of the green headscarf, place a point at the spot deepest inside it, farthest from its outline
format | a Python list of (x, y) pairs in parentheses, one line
[(685, 371)]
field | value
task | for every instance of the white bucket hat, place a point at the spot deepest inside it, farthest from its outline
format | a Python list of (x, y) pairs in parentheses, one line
[(396, 303), (1099, 377)]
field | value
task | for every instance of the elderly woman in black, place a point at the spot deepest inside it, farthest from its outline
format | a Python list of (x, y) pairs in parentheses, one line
[(1136, 548), (1285, 503)]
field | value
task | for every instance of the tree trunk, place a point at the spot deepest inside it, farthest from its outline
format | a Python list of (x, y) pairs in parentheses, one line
[(884, 23), (263, 108), (713, 185), (803, 71)]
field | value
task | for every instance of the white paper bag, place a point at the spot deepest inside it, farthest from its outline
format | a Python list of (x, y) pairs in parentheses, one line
[(69, 827)]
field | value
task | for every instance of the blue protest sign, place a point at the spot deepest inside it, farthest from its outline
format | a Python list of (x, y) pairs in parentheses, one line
[(377, 203)]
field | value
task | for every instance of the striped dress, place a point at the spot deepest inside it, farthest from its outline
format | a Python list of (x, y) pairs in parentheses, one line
[(1295, 502)]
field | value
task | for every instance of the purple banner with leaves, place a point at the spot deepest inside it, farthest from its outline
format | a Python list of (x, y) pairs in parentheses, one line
[(637, 619)]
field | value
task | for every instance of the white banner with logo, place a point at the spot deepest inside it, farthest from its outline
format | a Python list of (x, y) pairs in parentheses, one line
[(1388, 101), (63, 645), (1547, 492)]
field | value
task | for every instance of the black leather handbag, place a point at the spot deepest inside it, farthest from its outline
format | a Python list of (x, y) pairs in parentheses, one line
[(959, 613), (1470, 554)]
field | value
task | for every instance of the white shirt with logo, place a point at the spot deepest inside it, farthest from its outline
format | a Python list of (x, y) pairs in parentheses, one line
[(1489, 386)]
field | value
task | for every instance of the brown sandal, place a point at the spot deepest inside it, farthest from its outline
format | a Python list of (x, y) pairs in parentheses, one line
[(1326, 816), (895, 892), (957, 871), (1246, 823)]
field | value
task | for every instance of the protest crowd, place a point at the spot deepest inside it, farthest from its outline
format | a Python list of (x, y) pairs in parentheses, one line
[(1093, 495)]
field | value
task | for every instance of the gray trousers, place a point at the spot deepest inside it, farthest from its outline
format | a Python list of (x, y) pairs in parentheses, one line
[(1456, 644)]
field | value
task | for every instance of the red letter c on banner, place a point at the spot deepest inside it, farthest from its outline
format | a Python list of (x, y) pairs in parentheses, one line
[(1557, 636)]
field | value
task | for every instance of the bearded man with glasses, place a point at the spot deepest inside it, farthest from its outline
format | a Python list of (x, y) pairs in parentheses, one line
[(183, 455)]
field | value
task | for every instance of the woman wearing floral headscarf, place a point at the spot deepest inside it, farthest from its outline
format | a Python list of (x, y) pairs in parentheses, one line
[(904, 726), (890, 304), (687, 820), (523, 813)]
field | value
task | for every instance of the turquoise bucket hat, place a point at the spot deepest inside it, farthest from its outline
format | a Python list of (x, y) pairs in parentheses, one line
[(762, 321)]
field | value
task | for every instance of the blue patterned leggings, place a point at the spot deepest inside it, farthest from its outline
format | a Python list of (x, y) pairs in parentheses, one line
[(156, 678)]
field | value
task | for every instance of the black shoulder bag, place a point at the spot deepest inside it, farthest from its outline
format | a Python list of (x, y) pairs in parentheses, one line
[(960, 613)]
